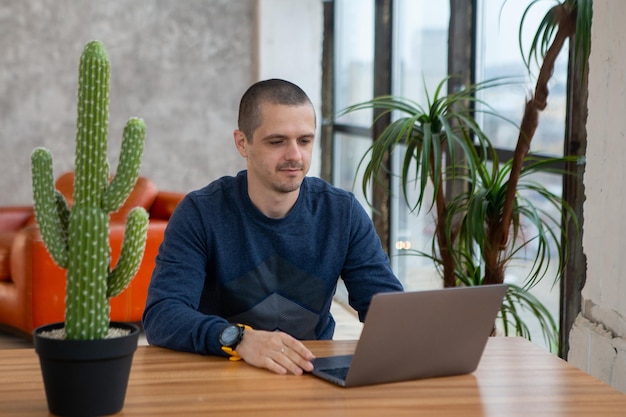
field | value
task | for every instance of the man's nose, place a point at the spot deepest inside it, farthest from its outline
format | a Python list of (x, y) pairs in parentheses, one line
[(294, 153)]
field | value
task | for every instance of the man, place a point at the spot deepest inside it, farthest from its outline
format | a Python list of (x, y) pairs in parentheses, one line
[(249, 264)]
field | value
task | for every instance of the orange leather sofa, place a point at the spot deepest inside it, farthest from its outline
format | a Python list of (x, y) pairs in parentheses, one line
[(32, 286)]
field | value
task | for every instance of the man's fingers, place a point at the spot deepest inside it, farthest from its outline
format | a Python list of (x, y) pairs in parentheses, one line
[(275, 351), (295, 363)]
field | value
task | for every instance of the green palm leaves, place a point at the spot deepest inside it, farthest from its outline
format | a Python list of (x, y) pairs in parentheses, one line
[(574, 16), (469, 246)]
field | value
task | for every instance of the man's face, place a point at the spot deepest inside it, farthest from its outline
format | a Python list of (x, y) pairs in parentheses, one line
[(279, 154)]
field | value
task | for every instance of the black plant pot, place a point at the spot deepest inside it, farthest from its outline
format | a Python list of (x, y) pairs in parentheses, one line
[(85, 378)]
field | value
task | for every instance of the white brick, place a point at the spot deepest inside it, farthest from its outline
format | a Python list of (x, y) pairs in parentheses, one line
[(602, 355), (619, 371), (579, 338)]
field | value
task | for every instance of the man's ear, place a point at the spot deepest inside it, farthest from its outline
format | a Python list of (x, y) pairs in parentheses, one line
[(241, 142)]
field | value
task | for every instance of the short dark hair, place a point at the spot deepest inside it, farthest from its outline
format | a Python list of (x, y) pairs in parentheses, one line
[(274, 91)]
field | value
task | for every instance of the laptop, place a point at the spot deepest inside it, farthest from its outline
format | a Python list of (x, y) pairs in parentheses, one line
[(419, 334)]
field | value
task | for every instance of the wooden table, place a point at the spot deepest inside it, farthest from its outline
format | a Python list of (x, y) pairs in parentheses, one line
[(514, 378)]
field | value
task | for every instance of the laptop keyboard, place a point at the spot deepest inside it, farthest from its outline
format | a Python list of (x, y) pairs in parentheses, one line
[(340, 373)]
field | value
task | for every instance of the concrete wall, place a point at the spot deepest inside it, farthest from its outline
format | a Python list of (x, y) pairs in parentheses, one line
[(598, 337), (290, 47), (180, 65)]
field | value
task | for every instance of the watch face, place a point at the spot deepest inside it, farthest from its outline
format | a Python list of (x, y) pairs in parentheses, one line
[(230, 336)]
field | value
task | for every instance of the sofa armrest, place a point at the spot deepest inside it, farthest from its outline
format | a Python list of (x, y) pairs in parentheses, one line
[(15, 218), (35, 295), (164, 204), (29, 258)]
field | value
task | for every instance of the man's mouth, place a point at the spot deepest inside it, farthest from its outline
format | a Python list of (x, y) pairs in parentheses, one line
[(290, 168)]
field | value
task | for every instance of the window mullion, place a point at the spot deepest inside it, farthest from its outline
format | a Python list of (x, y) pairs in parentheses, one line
[(383, 25)]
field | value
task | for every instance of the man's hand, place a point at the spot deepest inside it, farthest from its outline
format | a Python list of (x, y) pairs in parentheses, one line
[(275, 351)]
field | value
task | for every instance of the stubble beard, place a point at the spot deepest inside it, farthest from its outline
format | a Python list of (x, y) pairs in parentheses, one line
[(293, 183)]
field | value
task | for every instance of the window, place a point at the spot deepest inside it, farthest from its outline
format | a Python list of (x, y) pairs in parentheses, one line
[(419, 64), (420, 34), (354, 69)]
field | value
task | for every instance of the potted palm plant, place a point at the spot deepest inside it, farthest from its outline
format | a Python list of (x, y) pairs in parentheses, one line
[(467, 248), (86, 359), (494, 219)]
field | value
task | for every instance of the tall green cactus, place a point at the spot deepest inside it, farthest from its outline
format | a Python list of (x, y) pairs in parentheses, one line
[(77, 238)]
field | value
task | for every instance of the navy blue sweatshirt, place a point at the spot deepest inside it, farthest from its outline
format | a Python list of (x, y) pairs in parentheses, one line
[(223, 261)]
